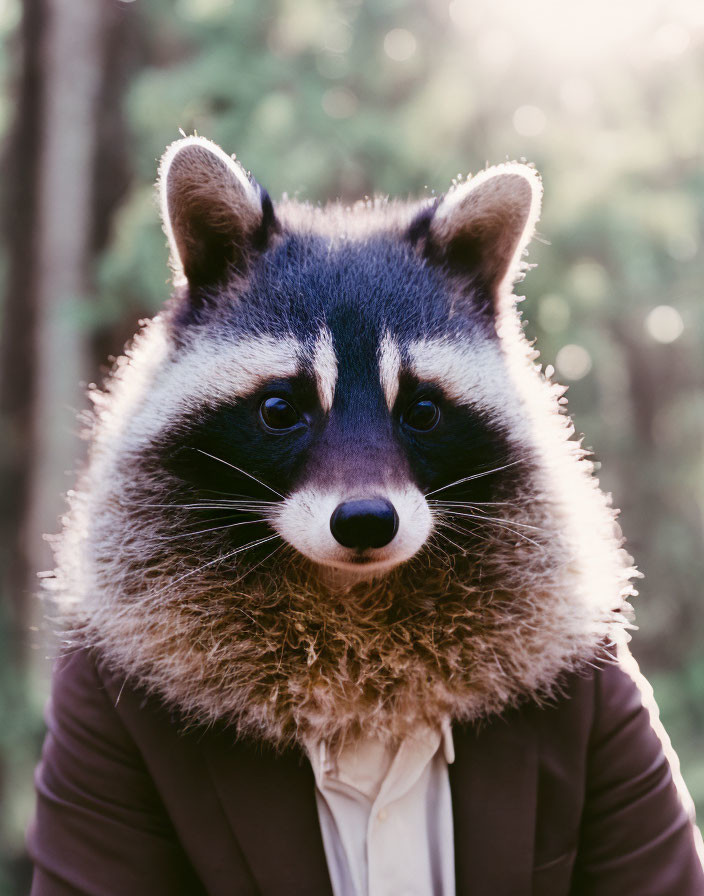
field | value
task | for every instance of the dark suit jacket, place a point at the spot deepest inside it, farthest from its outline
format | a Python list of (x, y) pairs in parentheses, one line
[(574, 799)]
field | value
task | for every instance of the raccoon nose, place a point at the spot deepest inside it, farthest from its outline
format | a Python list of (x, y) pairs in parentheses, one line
[(364, 523)]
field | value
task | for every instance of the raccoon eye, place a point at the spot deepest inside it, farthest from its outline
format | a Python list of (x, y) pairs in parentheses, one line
[(423, 415), (278, 414)]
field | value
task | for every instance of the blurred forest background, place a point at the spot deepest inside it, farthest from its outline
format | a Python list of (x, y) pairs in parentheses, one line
[(341, 97)]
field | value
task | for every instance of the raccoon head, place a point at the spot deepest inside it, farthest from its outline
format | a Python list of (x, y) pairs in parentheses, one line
[(355, 401), (329, 491)]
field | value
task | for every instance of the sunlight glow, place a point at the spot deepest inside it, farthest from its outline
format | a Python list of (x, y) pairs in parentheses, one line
[(577, 95), (573, 32), (529, 121), (671, 40)]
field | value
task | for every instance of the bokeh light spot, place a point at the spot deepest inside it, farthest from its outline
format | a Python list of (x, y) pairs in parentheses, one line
[(573, 361), (337, 37), (399, 44), (664, 324), (670, 41)]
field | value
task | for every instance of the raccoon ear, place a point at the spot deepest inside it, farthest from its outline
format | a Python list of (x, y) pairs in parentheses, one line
[(481, 227), (215, 217)]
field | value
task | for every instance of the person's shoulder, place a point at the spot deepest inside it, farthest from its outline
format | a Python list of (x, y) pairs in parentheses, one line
[(618, 692), (77, 683), (589, 703), (608, 681), (83, 703)]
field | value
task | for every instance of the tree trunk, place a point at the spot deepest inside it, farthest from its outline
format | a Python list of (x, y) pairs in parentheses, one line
[(73, 43), (18, 372), (66, 169)]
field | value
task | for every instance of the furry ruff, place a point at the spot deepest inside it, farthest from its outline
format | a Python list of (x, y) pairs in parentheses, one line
[(263, 645)]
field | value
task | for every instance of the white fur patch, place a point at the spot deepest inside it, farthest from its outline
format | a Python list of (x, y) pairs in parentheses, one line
[(325, 367), (471, 374), (303, 519), (389, 368), (154, 385), (581, 512)]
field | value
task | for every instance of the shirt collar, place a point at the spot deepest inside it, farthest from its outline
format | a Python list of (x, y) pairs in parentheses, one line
[(448, 742), (324, 761)]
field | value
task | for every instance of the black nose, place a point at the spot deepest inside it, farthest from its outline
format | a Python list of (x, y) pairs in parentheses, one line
[(364, 523)]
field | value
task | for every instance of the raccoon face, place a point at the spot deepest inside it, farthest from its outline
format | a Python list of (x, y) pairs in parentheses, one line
[(321, 385)]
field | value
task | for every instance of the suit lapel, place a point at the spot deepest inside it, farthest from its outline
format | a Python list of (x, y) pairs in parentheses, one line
[(494, 795), (269, 799)]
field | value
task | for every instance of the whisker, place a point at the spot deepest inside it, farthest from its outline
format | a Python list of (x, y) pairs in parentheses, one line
[(239, 550), (520, 535), (437, 551), (240, 495), (453, 543), (436, 503), (240, 470), (501, 524), (212, 529), (447, 508), (470, 478), (460, 530), (221, 517), (213, 505), (257, 565), (493, 519)]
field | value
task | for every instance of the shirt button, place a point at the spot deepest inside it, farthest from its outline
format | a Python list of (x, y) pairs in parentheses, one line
[(383, 815)]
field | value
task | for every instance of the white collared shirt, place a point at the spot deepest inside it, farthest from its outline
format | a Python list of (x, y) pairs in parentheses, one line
[(386, 816)]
